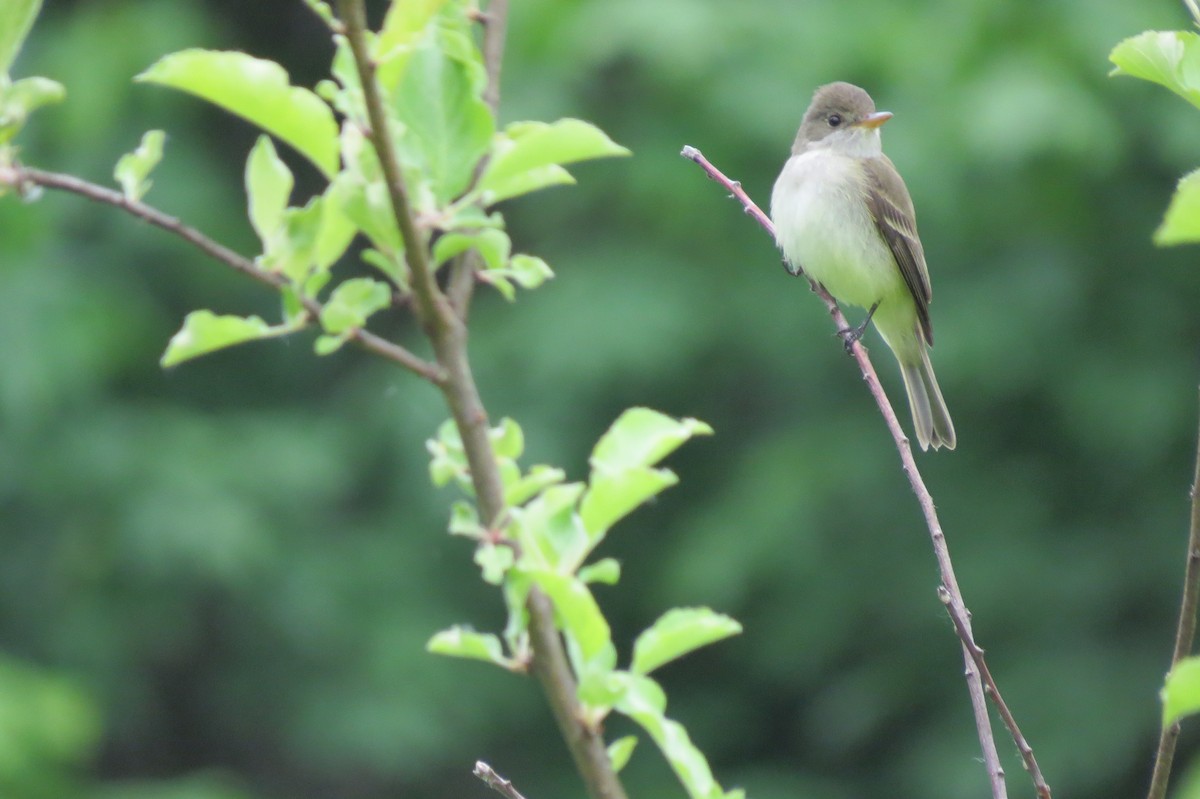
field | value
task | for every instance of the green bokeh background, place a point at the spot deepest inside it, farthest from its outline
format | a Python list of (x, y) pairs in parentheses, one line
[(216, 581)]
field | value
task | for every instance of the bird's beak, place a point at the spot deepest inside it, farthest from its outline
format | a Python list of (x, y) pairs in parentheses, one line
[(872, 121)]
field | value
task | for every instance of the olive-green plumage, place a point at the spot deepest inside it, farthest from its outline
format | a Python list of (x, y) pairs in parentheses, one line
[(843, 214)]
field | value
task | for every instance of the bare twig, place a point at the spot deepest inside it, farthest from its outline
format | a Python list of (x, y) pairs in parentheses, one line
[(977, 672), (494, 781), (1185, 632), (21, 177), (448, 334)]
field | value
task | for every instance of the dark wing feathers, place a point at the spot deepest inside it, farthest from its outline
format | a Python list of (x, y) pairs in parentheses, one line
[(892, 208)]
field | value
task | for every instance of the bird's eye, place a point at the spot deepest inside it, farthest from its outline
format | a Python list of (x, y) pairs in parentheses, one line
[(835, 120)]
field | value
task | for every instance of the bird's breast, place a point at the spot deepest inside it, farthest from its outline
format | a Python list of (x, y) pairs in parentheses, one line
[(823, 225)]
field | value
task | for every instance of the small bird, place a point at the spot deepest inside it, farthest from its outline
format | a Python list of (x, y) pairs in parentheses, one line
[(843, 215)]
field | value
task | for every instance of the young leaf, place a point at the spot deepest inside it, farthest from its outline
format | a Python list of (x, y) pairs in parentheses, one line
[(644, 702), (494, 560), (678, 632), (508, 440), (133, 169), (549, 531), (1169, 58), (448, 128), (529, 271), (493, 246), (620, 750), (539, 478), (612, 496), (257, 90), (642, 437), (606, 571), (268, 187), (581, 618), (20, 99), (1181, 692), (465, 643), (464, 520), (16, 18), (1181, 225), (204, 332), (352, 302), (526, 156)]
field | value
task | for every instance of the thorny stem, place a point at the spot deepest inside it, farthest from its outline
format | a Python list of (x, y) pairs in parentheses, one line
[(977, 672)]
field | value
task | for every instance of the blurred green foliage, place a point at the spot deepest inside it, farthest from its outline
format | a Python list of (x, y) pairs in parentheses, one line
[(227, 571)]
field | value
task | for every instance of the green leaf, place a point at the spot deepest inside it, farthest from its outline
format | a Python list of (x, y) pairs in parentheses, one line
[(508, 441), (492, 245), (322, 10), (352, 302), (529, 271), (447, 127), (642, 437), (644, 702), (362, 195), (542, 177), (464, 520), (134, 168), (1169, 58), (577, 610), (1181, 225), (268, 187), (20, 99), (549, 531), (678, 632), (448, 461), (494, 560), (16, 18), (258, 91), (327, 345), (405, 21), (606, 571), (540, 477), (463, 642), (611, 497), (1181, 692), (620, 750), (529, 156), (204, 332)]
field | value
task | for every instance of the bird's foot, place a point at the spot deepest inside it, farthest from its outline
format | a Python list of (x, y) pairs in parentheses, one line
[(851, 335)]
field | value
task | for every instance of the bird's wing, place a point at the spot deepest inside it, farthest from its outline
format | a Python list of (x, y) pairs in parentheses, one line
[(892, 208)]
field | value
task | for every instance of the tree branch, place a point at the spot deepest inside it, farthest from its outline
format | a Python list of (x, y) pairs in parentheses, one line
[(448, 334), (1185, 632), (494, 781), (21, 178), (977, 672)]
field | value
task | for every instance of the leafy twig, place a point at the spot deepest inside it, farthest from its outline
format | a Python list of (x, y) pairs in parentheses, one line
[(448, 333), (494, 781), (977, 672), (1184, 634), (21, 177)]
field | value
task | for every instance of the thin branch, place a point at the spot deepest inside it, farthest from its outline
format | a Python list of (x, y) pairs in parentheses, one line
[(21, 177), (494, 781), (428, 297), (977, 673), (495, 24), (448, 334), (465, 267), (1185, 632)]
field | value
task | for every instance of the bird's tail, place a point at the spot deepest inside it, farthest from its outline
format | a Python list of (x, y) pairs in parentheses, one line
[(930, 417)]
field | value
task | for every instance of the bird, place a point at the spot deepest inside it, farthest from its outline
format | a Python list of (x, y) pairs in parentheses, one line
[(844, 217)]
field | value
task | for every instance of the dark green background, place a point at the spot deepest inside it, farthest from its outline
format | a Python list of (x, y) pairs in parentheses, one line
[(216, 581)]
